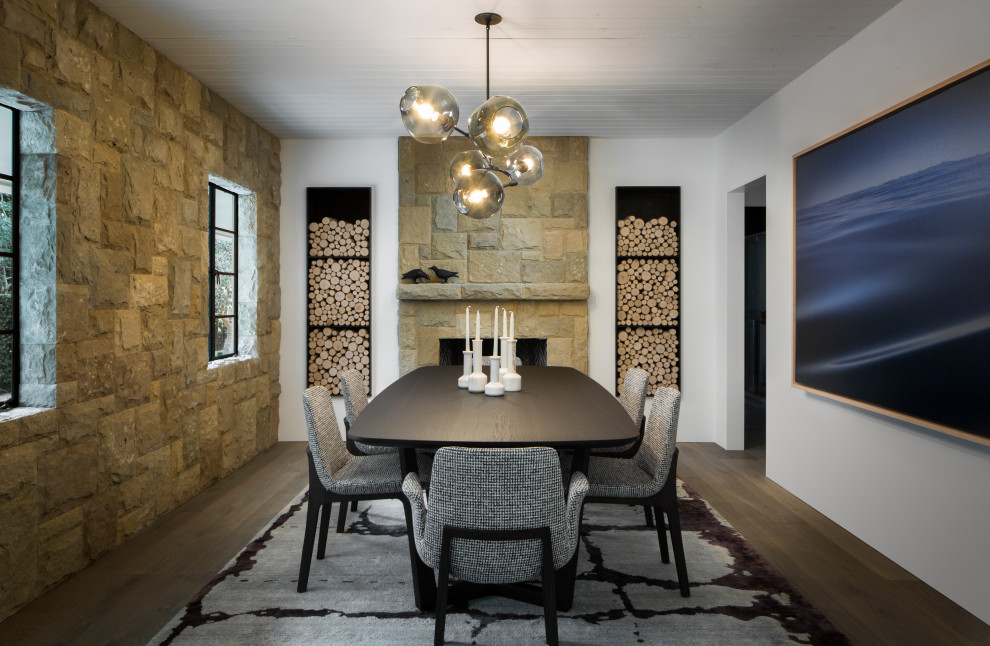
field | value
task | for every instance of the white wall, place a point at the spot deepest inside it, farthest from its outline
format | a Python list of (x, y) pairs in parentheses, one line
[(371, 163), (917, 496), (687, 163)]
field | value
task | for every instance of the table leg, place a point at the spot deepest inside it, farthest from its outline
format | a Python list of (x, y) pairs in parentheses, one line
[(424, 586), (566, 575)]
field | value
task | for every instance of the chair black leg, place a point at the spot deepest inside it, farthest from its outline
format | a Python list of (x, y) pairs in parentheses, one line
[(661, 535), (321, 548), (312, 516), (354, 505), (549, 594), (674, 520), (649, 516), (443, 580), (341, 517)]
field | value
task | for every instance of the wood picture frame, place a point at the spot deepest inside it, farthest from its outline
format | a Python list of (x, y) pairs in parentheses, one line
[(891, 259)]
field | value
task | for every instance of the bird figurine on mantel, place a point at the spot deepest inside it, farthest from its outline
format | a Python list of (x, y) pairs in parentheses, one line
[(443, 274), (415, 275)]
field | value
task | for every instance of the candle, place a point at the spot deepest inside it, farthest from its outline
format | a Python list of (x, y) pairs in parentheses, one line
[(467, 329), (505, 328), (495, 329), (477, 325), (512, 325)]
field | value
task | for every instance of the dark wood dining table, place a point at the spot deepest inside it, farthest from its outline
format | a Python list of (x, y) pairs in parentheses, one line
[(558, 407)]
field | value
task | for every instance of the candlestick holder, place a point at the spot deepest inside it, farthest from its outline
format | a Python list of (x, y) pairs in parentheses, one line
[(462, 381), (504, 354), (477, 379), (494, 388), (512, 380)]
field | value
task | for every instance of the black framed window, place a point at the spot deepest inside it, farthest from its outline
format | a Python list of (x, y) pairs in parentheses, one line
[(223, 273), (9, 303)]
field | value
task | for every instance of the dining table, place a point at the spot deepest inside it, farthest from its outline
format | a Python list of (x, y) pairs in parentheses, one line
[(559, 407)]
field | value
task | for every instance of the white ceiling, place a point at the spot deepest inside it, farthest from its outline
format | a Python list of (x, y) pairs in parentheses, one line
[(313, 69)]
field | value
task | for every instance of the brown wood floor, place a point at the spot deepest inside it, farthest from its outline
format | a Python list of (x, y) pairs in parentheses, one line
[(128, 595)]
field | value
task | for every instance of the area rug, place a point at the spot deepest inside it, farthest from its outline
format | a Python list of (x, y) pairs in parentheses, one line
[(361, 594)]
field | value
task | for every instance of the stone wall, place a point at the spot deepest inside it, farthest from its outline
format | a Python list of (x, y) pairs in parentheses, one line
[(531, 257), (140, 423)]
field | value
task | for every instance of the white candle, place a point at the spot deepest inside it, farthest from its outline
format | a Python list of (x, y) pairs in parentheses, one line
[(505, 328), (512, 325), (477, 325), (495, 328), (467, 329)]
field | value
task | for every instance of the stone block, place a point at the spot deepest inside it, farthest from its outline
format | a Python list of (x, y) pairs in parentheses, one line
[(444, 213), (571, 205), (576, 241), (138, 87), (118, 446), (133, 379), (526, 203), (98, 30), (427, 346), (81, 420), (414, 225), (542, 272), (60, 524), (553, 244), (494, 267), (18, 471), (131, 523), (484, 240), (437, 313), (74, 136), (577, 267), (68, 476), (559, 352), (110, 272), (112, 123), (138, 192), (73, 308), (39, 425), (179, 286), (520, 233), (19, 558), (504, 291), (572, 176), (559, 292), (95, 377), (39, 362), (148, 427), (147, 291), (73, 63), (449, 245), (128, 335), (408, 258), (100, 523)]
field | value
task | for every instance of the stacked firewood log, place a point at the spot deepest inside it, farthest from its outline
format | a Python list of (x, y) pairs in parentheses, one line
[(653, 350), (637, 237), (332, 237), (332, 351), (647, 291), (339, 292)]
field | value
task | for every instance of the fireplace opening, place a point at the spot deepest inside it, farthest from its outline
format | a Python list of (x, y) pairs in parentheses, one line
[(529, 352)]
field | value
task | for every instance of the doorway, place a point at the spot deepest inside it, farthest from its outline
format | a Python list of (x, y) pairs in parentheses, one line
[(755, 356)]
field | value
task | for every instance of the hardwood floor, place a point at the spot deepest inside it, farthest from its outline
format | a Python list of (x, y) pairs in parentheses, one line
[(127, 596)]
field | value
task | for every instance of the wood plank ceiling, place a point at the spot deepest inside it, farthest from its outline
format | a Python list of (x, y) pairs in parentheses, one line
[(308, 69)]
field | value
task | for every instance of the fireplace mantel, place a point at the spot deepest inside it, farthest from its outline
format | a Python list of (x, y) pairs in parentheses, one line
[(493, 292)]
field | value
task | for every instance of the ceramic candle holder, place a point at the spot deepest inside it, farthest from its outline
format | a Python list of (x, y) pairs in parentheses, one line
[(494, 388), (511, 379), (477, 379), (462, 381)]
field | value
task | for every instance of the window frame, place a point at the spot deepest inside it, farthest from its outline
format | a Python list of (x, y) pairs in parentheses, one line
[(214, 273), (14, 254)]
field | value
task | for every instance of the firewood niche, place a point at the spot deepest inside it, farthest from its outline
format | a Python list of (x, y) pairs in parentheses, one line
[(339, 290), (647, 276)]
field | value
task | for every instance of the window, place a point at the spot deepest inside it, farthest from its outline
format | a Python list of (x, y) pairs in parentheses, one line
[(9, 312), (223, 273)]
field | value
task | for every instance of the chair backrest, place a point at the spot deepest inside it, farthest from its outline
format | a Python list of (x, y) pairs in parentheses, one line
[(329, 451), (496, 489), (355, 395), (660, 438), (633, 395)]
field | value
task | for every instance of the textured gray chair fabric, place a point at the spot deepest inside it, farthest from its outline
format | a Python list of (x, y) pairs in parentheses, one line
[(633, 399), (644, 474), (496, 489), (337, 476), (355, 401), (649, 478)]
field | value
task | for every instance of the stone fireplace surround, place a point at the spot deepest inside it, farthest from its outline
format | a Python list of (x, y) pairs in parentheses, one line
[(530, 258)]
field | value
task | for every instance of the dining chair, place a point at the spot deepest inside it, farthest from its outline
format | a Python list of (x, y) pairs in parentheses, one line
[(337, 476), (495, 517), (633, 399), (649, 478), (355, 401)]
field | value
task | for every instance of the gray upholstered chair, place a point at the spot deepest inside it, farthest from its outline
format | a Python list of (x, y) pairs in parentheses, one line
[(337, 476), (633, 399), (649, 478), (497, 516), (355, 401)]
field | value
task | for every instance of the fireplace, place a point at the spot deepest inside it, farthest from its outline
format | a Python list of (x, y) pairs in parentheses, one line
[(529, 352)]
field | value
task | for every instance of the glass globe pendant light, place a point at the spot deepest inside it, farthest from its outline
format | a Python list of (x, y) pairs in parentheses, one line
[(497, 129)]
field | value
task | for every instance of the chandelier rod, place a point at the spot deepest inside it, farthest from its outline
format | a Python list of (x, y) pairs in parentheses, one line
[(488, 47)]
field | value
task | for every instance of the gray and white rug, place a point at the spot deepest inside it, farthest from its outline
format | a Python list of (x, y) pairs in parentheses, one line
[(362, 594)]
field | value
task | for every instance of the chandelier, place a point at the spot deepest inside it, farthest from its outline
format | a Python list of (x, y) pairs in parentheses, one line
[(497, 129)]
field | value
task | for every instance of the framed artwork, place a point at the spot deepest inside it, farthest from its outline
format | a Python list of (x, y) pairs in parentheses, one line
[(892, 261)]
